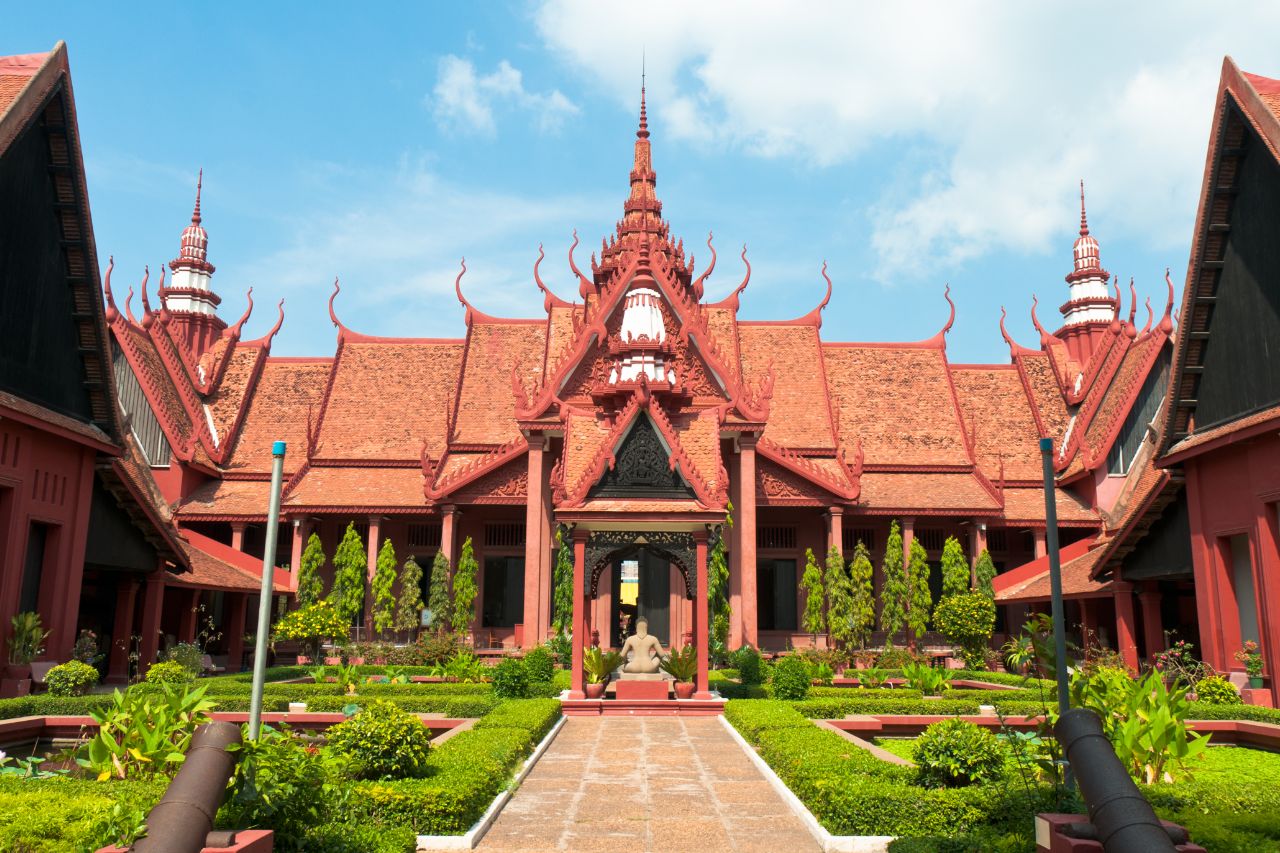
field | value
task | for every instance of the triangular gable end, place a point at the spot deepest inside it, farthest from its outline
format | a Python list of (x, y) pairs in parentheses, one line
[(642, 467)]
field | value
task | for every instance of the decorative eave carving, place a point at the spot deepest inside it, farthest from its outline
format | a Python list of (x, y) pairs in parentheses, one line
[(848, 489), (435, 487)]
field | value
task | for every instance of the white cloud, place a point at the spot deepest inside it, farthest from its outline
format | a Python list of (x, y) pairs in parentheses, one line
[(464, 100), (1005, 105)]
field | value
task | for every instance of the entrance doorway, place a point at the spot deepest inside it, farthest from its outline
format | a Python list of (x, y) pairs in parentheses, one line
[(642, 585)]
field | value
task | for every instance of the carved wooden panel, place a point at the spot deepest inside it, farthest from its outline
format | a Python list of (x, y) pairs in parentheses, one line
[(508, 484), (774, 483), (642, 467)]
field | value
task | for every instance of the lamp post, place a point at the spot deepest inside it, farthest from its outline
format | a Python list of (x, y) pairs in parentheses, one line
[(1055, 575), (264, 599)]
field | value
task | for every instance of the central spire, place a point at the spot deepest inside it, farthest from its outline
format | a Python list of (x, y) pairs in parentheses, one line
[(642, 211)]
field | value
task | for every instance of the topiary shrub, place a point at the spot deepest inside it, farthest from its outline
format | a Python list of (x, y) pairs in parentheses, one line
[(967, 619), (168, 672), (749, 665), (954, 753), (791, 679), (383, 742), (540, 664), (510, 679), (189, 655), (1216, 690), (72, 678)]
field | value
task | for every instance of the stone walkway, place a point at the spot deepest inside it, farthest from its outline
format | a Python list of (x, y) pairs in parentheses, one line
[(633, 784)]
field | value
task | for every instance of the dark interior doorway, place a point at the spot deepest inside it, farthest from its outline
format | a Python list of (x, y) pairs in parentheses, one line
[(641, 588)]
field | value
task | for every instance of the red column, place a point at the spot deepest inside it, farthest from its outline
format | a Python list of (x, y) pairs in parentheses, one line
[(835, 528), (233, 629), (1152, 623), (65, 608), (237, 535), (1208, 573), (745, 524), (579, 613), (535, 543), (122, 631), (152, 605), (979, 545), (301, 530), (735, 561), (1088, 621), (908, 536), (1041, 542), (1269, 591), (1126, 630), (375, 535), (449, 533), (187, 620), (702, 639)]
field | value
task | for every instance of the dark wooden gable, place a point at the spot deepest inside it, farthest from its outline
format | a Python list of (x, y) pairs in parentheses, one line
[(41, 356), (642, 467)]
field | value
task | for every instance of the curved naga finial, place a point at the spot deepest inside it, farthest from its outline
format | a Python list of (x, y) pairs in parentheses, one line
[(128, 308), (814, 317), (164, 301), (731, 301), (112, 313), (584, 284), (549, 299), (234, 331), (1129, 328), (333, 316), (276, 328), (697, 286), (147, 315), (1115, 318), (1035, 321), (946, 294), (1166, 321), (457, 288), (1014, 346), (1150, 317)]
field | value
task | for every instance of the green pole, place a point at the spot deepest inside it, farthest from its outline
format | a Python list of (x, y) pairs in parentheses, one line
[(264, 599), (1055, 575)]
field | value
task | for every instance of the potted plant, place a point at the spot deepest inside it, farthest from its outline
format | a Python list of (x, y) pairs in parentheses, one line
[(26, 643), (599, 665), (682, 665), (1251, 657)]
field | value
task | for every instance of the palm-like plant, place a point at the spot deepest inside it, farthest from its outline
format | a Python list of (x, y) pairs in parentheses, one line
[(599, 664), (681, 664)]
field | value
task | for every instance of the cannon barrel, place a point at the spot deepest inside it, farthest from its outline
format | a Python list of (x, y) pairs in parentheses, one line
[(182, 820), (1123, 818)]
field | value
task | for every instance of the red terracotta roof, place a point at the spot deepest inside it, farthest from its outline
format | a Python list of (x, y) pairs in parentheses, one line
[(924, 493), (1030, 582), (285, 396), (228, 498), (155, 380), (1241, 425), (995, 405), (799, 416), (485, 404), (15, 73), (898, 401), (359, 487), (35, 412), (1045, 393), (1027, 505), (1119, 397), (218, 566), (225, 403), (387, 397)]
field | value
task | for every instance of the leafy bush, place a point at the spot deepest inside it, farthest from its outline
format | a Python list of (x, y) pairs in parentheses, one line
[(463, 666), (967, 619), (309, 625), (144, 732), (791, 678), (872, 677), (1216, 690), (822, 674), (955, 753), (26, 638), (383, 742), (749, 665), (72, 678), (189, 655), (540, 664), (894, 658), (168, 672), (929, 680), (599, 664), (511, 679), (561, 646)]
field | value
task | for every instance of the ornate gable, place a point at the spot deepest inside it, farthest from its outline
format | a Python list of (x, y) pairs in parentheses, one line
[(643, 467)]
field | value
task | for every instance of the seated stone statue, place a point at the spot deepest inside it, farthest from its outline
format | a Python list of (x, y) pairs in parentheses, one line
[(642, 651)]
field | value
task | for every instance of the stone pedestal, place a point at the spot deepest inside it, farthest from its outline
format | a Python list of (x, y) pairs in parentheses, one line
[(1050, 837), (629, 689)]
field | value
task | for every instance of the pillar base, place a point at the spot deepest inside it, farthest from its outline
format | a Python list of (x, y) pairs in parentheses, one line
[(577, 694), (703, 694)]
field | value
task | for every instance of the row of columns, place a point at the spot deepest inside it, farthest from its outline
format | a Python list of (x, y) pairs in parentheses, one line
[(1126, 624)]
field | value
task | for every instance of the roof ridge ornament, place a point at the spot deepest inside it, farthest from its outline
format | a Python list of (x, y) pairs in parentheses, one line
[(233, 332), (549, 299), (585, 286), (1045, 337), (1115, 318), (697, 286), (148, 316), (112, 313), (1166, 320), (1084, 222), (1130, 330)]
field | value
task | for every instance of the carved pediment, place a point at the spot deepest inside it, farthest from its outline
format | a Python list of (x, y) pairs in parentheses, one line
[(642, 467)]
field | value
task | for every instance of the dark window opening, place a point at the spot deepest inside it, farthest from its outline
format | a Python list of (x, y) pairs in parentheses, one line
[(503, 604), (33, 567), (776, 595)]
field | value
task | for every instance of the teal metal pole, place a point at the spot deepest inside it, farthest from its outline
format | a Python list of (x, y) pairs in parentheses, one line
[(264, 599), (1055, 575)]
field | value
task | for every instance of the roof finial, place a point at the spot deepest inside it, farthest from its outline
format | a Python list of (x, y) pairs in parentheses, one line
[(195, 214), (1084, 222), (643, 132)]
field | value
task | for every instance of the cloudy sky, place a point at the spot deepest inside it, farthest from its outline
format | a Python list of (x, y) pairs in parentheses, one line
[(908, 145)]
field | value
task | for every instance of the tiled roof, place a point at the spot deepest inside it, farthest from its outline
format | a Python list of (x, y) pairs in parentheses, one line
[(898, 401), (228, 497), (1046, 394), (284, 395), (1027, 505), (359, 487), (1119, 396), (218, 566), (700, 438), (798, 414), (1198, 439), (1079, 560), (225, 402), (38, 412), (995, 405), (722, 322), (155, 379), (387, 397), (559, 337), (486, 407), (582, 438), (922, 492), (15, 73)]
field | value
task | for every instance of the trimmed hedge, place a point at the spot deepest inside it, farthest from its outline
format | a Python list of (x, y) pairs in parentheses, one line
[(64, 814)]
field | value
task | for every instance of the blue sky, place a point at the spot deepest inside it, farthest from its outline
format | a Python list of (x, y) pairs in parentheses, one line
[(909, 146)]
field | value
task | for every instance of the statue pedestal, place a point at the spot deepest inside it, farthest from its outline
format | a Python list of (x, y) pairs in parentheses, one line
[(641, 688)]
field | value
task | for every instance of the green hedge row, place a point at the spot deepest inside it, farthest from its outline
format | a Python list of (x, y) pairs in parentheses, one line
[(466, 773), (63, 814), (460, 705), (851, 792)]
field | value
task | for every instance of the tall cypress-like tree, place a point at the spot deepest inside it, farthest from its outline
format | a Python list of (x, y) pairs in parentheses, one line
[(562, 587), (439, 598), (350, 563), (310, 584), (464, 588), (718, 592), (863, 615), (409, 605), (955, 568), (839, 600), (986, 573), (815, 621), (384, 582), (895, 595), (921, 596)]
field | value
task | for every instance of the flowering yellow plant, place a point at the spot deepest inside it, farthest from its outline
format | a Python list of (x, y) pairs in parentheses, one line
[(311, 624)]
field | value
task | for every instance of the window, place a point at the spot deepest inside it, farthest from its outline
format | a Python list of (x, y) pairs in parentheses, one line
[(931, 539), (777, 538), (776, 595), (1242, 585), (1144, 411), (424, 535), (997, 540), (853, 535), (33, 566), (506, 534), (503, 603)]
